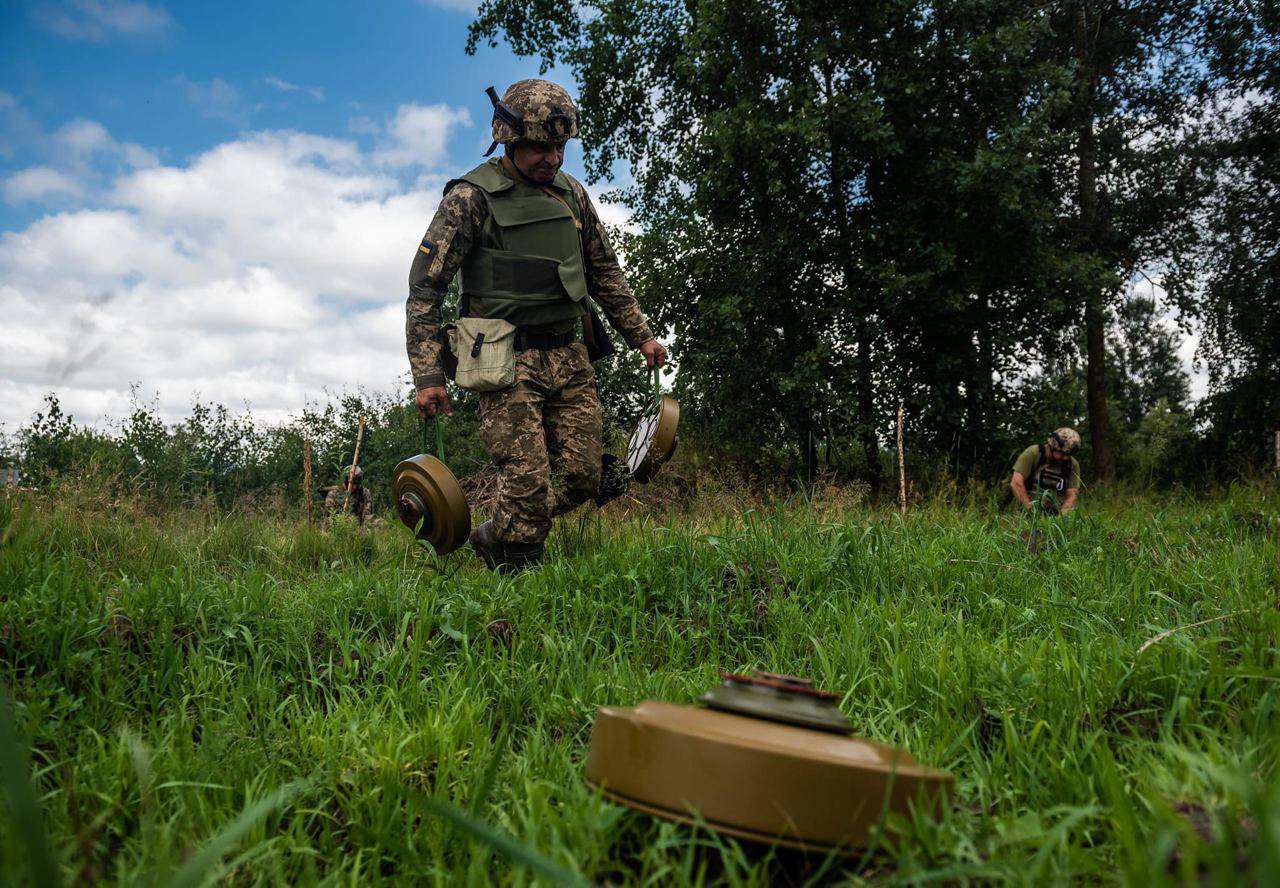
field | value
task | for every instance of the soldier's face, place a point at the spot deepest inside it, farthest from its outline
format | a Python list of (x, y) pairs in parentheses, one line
[(539, 161)]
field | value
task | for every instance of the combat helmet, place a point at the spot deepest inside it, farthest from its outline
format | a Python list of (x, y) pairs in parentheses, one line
[(1065, 439), (353, 475), (535, 110)]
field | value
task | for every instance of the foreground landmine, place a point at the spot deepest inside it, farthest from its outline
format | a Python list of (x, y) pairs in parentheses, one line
[(770, 759)]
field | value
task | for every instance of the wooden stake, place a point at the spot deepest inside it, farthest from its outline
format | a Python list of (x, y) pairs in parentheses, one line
[(306, 476), (355, 458), (902, 468)]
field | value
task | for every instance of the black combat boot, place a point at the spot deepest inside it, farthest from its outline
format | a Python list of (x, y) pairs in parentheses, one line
[(614, 479), (505, 558), (486, 545), (519, 556)]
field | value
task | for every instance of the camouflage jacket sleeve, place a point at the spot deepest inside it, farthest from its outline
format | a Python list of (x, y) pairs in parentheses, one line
[(605, 281), (456, 225)]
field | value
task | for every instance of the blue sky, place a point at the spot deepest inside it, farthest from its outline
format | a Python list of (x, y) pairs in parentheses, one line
[(180, 77), (222, 201)]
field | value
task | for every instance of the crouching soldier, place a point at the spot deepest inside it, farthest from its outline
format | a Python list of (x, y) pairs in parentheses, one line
[(357, 502), (1047, 474)]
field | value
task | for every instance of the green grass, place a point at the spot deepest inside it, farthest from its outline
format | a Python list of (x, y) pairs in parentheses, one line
[(265, 702)]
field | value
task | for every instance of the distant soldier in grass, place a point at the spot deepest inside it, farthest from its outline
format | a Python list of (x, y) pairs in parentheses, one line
[(534, 257), (359, 502), (1047, 475)]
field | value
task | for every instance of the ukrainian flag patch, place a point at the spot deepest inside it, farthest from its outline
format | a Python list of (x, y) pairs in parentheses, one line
[(426, 248)]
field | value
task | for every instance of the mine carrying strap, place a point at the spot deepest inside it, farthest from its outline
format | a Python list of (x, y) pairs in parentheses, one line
[(542, 341)]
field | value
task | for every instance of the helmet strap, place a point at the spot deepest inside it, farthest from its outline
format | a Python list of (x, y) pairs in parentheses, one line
[(504, 114), (509, 164)]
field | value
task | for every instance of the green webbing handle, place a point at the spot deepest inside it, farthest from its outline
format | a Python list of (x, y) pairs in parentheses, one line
[(657, 389), (426, 445)]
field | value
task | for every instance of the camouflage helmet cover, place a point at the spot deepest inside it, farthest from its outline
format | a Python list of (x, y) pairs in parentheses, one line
[(353, 476), (1065, 439), (535, 110)]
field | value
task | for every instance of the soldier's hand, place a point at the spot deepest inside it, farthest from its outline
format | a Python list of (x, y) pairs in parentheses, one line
[(654, 354), (434, 399)]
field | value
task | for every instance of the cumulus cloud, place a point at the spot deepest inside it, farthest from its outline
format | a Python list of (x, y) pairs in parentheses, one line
[(417, 135), (100, 20), (77, 158), (82, 144), (266, 270), (285, 86), (40, 184)]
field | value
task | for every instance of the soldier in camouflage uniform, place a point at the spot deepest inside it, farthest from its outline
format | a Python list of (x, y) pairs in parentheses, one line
[(549, 421), (359, 504), (1049, 470)]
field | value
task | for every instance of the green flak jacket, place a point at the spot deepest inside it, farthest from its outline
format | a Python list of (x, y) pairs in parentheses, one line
[(527, 268)]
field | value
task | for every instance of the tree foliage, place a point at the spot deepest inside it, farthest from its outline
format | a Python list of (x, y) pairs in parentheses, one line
[(1237, 286), (838, 207)]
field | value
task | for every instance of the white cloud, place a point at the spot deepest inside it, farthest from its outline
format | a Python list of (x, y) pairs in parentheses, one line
[(40, 183), (82, 143), (215, 99), (100, 20), (417, 135), (267, 269), (315, 92), (77, 158)]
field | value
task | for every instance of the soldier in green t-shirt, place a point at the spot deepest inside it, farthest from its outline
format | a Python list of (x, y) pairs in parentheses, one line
[(1049, 467)]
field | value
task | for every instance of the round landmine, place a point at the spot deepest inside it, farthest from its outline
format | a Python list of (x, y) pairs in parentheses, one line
[(771, 759), (429, 499), (654, 440)]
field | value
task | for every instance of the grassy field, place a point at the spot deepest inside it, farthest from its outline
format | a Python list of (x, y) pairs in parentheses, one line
[(174, 671)]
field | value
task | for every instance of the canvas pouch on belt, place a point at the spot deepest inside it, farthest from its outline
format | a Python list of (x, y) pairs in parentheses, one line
[(486, 353)]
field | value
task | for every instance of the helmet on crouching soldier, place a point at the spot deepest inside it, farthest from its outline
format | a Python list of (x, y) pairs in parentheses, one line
[(1065, 439)]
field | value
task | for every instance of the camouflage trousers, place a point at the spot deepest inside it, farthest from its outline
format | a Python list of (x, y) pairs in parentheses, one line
[(546, 424)]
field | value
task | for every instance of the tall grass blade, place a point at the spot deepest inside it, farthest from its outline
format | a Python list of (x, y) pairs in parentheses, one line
[(500, 841), (28, 821), (204, 864)]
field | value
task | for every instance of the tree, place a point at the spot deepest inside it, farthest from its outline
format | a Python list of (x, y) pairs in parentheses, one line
[(1235, 287), (1126, 169)]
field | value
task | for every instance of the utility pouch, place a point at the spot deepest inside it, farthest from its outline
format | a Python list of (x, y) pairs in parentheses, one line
[(596, 337), (447, 357), (485, 349)]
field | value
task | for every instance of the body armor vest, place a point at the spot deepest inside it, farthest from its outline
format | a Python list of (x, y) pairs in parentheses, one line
[(1052, 475), (527, 266)]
